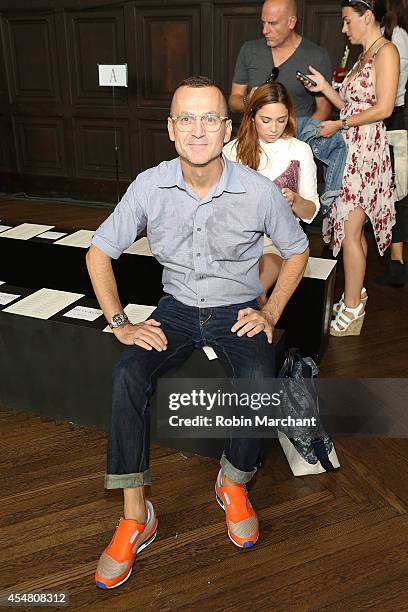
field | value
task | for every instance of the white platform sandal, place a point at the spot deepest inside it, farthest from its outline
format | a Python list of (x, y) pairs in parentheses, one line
[(344, 325), (336, 305)]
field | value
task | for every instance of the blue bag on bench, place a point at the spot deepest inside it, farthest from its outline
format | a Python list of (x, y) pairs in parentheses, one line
[(306, 454)]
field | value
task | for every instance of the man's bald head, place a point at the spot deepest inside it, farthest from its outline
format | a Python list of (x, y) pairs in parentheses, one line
[(289, 6), (278, 22)]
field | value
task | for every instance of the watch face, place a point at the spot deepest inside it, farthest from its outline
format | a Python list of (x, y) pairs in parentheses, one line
[(118, 320)]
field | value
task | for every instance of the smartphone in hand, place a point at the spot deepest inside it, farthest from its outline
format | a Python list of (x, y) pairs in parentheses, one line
[(303, 77)]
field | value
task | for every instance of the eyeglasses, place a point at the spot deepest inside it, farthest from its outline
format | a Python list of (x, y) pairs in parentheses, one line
[(368, 3), (273, 76), (210, 121)]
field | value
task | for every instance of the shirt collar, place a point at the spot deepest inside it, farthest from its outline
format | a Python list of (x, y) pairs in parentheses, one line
[(173, 176), (229, 180)]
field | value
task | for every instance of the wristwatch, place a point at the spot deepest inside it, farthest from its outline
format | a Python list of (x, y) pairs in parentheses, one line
[(118, 320), (345, 125)]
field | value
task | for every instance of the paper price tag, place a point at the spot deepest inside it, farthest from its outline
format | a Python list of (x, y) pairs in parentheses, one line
[(211, 354)]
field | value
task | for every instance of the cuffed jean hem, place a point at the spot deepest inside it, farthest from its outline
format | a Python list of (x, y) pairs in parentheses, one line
[(327, 200), (232, 472), (127, 481)]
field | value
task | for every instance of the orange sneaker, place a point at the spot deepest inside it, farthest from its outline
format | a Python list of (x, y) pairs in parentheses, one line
[(130, 538), (241, 519)]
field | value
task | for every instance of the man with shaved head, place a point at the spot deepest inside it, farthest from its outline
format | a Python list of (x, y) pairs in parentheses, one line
[(205, 218), (281, 52)]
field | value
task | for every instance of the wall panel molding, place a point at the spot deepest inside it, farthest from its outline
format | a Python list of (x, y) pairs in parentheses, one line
[(168, 50), (94, 37), (31, 59), (95, 148), (57, 123), (233, 26), (40, 145), (155, 144)]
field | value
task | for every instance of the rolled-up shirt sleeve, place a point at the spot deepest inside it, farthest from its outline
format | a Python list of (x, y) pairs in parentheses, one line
[(281, 226), (121, 228)]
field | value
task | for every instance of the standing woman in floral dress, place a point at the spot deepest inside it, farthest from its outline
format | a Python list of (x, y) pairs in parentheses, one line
[(365, 99)]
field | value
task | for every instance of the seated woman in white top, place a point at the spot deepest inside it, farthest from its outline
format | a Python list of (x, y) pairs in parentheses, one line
[(265, 142)]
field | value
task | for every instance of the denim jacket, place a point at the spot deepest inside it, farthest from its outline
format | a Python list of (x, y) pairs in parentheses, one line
[(332, 152)]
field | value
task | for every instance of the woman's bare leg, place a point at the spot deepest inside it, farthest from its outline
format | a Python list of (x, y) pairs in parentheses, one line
[(354, 257), (364, 242)]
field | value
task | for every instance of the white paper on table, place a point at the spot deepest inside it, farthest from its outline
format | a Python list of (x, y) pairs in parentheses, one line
[(2, 282), (137, 313), (6, 298), (52, 235), (319, 268), (3, 228), (140, 247), (211, 354), (81, 238), (44, 303), (83, 312), (25, 231)]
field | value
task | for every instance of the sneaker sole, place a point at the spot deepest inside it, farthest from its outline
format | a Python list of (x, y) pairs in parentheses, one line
[(249, 544), (103, 586)]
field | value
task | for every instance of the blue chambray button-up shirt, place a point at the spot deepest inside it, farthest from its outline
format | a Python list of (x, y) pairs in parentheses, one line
[(209, 247)]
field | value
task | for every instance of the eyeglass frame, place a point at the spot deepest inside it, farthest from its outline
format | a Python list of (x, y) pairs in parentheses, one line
[(176, 117)]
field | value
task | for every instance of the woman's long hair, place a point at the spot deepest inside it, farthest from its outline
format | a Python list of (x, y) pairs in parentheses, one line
[(397, 15), (248, 147)]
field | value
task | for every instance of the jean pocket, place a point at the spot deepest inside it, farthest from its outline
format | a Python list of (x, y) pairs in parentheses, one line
[(166, 296), (251, 304)]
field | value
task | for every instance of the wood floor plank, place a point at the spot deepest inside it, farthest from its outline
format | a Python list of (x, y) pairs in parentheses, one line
[(221, 579), (390, 596)]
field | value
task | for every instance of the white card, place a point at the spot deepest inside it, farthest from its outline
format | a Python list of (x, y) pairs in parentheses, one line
[(83, 312), (81, 239), (140, 247), (52, 235), (44, 303), (6, 298), (137, 313), (3, 228), (2, 282), (25, 231), (319, 268), (112, 75), (211, 354)]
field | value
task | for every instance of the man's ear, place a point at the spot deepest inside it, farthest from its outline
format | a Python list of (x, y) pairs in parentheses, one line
[(292, 22), (228, 130), (170, 128)]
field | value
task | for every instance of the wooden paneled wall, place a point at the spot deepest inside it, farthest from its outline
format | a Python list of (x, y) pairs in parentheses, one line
[(58, 126)]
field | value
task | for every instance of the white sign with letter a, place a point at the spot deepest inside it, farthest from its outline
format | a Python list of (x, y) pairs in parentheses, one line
[(112, 75)]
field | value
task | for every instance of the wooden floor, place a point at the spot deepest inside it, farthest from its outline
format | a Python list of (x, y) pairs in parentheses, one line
[(328, 542)]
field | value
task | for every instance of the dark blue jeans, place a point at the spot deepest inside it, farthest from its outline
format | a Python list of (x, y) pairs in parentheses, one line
[(136, 373)]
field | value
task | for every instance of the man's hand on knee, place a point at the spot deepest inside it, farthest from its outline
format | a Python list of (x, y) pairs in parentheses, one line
[(147, 335), (251, 322)]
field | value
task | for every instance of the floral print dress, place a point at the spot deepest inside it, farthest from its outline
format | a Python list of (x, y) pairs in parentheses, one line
[(367, 179)]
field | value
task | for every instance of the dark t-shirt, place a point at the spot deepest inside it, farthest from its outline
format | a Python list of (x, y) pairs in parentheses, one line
[(255, 63)]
